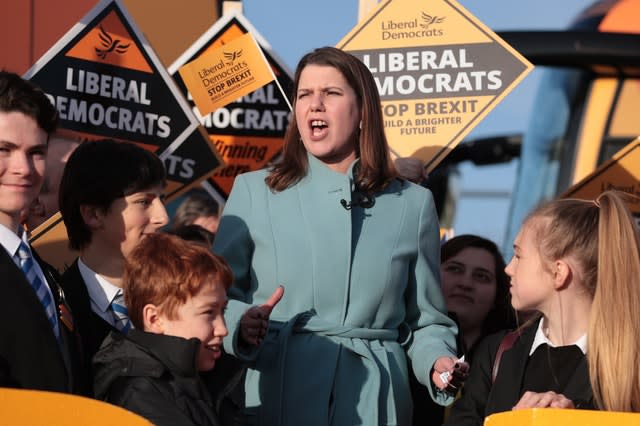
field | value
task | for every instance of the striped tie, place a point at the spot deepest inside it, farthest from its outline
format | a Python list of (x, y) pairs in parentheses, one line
[(27, 266), (120, 313)]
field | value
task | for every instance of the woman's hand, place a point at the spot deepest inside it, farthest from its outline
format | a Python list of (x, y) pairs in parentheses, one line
[(449, 373), (254, 322), (543, 400)]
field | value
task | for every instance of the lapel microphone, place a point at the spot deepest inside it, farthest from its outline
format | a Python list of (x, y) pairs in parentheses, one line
[(365, 201), (359, 199)]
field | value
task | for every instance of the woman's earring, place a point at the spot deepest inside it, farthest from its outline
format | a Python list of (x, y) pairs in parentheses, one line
[(360, 125)]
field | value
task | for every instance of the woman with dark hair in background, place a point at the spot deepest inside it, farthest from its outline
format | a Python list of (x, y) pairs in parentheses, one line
[(475, 288)]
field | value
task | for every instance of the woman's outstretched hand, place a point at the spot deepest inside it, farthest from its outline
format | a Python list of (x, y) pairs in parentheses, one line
[(254, 322), (449, 373)]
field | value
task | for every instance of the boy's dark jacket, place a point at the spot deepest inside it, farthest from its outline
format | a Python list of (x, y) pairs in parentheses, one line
[(92, 328), (154, 376), (30, 356)]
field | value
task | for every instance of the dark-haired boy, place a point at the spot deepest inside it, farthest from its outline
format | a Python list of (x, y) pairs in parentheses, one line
[(37, 336), (110, 199)]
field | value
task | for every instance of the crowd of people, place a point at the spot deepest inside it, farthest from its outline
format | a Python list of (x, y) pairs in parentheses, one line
[(321, 293)]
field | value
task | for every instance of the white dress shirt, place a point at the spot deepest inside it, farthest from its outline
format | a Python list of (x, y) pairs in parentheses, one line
[(541, 338), (101, 292)]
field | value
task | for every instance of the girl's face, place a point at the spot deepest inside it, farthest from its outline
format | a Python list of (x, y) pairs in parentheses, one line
[(469, 284), (531, 284), (327, 114)]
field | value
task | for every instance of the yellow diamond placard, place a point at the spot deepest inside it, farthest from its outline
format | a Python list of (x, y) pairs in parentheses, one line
[(621, 172), (438, 69), (226, 73), (247, 132)]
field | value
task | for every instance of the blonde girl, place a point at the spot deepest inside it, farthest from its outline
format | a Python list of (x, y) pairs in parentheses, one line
[(576, 262)]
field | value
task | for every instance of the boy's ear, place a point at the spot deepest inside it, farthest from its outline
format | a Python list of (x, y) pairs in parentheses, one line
[(562, 274), (92, 216), (152, 320)]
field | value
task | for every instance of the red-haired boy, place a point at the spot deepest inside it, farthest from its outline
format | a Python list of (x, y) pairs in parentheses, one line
[(176, 295)]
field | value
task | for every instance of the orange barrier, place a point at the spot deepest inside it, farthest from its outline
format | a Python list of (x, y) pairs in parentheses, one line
[(557, 416), (27, 408)]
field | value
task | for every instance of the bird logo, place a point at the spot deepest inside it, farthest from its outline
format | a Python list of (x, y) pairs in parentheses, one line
[(428, 20), (232, 56), (110, 45)]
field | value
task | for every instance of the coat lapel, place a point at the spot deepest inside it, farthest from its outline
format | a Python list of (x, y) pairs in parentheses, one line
[(91, 327), (328, 227), (16, 283)]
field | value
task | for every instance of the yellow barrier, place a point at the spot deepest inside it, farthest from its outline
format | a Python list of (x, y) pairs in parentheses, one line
[(557, 416), (28, 408)]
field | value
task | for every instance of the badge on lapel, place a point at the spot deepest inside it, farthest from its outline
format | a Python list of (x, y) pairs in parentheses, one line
[(65, 316)]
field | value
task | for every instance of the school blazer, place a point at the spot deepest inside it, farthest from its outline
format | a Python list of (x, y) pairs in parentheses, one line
[(481, 398), (30, 356), (93, 329)]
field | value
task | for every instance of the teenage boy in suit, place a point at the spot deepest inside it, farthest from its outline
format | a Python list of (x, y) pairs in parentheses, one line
[(110, 199), (38, 339)]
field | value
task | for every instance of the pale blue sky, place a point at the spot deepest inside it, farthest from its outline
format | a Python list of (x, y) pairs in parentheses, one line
[(293, 27)]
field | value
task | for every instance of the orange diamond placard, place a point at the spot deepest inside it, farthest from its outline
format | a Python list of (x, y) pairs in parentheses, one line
[(438, 69), (110, 42), (107, 82)]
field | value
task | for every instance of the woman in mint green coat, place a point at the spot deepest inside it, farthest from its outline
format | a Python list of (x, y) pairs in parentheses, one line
[(357, 251)]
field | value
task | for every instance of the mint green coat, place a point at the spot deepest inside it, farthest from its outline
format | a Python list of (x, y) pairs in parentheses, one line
[(362, 290)]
